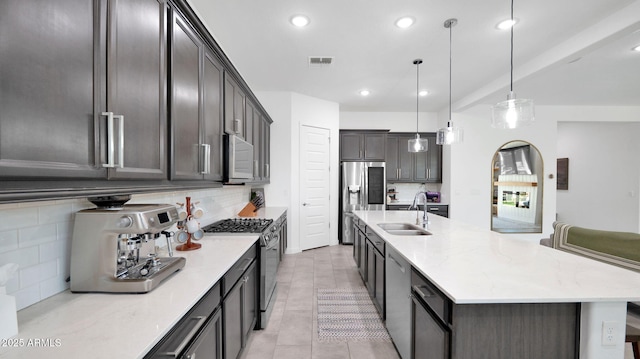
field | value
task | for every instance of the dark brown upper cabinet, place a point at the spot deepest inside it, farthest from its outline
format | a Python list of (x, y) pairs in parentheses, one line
[(196, 105), (84, 98), (362, 145)]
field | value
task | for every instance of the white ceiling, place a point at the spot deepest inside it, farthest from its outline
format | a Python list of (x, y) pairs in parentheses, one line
[(371, 52)]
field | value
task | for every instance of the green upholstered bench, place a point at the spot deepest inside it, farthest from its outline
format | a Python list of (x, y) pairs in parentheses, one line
[(617, 248)]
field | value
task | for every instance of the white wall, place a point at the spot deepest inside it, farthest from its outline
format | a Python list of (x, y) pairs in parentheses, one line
[(393, 121), (294, 110), (604, 175), (470, 163), (471, 168)]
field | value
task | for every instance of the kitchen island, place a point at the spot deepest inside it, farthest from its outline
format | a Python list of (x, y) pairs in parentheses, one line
[(471, 265)]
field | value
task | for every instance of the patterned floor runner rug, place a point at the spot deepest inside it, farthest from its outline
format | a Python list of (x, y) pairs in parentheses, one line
[(347, 314)]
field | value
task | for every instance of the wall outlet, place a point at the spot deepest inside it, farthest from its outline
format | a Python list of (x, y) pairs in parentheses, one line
[(610, 333)]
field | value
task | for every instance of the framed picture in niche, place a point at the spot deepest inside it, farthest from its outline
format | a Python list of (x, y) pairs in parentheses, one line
[(562, 178)]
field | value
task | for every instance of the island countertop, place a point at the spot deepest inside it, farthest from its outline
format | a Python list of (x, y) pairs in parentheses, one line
[(474, 265)]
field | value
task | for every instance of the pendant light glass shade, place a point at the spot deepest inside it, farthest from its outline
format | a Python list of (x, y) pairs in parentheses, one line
[(417, 144), (513, 112), (449, 135)]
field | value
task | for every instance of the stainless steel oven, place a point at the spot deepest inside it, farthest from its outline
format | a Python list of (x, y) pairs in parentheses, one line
[(269, 256), (268, 274)]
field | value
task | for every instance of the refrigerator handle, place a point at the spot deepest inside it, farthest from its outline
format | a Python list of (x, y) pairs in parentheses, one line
[(363, 183)]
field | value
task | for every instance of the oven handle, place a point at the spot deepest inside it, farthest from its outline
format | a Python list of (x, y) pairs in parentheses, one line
[(274, 242)]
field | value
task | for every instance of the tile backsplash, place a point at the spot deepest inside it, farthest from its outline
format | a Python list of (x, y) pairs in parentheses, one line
[(37, 236), (405, 192)]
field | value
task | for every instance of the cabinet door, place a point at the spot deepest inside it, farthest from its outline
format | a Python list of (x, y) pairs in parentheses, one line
[(257, 149), (232, 322), (50, 89), (356, 243), (234, 103), (212, 117), (405, 159), (266, 150), (429, 340), (249, 302), (428, 165), (435, 160), (391, 155), (374, 146), (136, 87), (421, 168), (186, 55), (379, 283), (371, 269), (363, 256), (208, 343), (248, 121), (351, 146)]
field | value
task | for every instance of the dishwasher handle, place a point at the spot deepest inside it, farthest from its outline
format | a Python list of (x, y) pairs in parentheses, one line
[(400, 267)]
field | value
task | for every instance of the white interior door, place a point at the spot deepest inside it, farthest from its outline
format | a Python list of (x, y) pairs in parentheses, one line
[(314, 187)]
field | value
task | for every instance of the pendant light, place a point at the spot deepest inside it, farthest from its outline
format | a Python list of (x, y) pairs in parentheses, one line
[(449, 135), (418, 144), (513, 112)]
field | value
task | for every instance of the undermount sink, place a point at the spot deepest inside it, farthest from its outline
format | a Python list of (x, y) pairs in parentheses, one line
[(404, 229)]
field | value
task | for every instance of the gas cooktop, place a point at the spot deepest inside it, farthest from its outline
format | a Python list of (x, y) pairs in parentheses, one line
[(239, 225)]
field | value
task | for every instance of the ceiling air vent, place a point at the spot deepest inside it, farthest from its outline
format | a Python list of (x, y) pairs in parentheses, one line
[(320, 61)]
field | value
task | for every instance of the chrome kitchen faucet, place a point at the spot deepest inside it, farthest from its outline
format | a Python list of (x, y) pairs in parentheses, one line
[(425, 218)]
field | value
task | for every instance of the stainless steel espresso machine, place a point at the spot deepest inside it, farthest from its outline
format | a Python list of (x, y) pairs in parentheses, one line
[(113, 247)]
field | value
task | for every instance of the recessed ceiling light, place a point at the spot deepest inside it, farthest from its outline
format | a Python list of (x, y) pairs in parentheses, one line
[(423, 93), (365, 92), (506, 24), (299, 20), (636, 49), (405, 22)]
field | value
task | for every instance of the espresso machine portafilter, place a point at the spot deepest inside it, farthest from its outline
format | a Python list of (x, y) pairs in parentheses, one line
[(113, 248)]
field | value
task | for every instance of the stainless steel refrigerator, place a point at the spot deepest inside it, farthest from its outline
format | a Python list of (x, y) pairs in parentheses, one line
[(363, 187)]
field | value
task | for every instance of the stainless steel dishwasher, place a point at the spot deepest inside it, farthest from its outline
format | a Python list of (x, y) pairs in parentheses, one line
[(398, 321)]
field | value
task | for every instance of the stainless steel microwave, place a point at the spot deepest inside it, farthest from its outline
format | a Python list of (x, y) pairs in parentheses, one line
[(238, 160)]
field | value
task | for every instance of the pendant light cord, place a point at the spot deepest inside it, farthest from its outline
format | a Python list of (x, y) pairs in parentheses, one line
[(512, 25), (417, 91), (450, 70)]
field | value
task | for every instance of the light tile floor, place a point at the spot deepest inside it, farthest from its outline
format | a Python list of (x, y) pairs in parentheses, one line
[(292, 328)]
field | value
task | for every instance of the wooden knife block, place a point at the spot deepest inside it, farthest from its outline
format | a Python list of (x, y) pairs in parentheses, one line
[(248, 211)]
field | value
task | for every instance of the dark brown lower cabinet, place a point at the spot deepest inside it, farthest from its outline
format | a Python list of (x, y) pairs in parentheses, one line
[(239, 312), (443, 330), (197, 335), (430, 337)]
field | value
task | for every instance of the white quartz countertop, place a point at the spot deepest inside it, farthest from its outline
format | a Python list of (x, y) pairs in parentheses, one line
[(474, 265), (124, 325), (70, 325)]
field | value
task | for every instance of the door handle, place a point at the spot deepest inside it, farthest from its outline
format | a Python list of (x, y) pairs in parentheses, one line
[(111, 150), (306, 204), (206, 159)]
